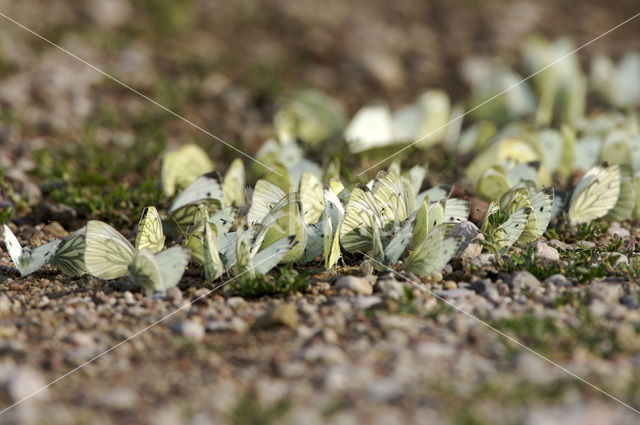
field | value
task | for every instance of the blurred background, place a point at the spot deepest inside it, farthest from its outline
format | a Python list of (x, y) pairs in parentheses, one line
[(224, 64)]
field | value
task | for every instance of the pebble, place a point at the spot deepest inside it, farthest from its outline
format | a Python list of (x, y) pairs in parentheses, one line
[(356, 284), (366, 302), (484, 260), (630, 301), (235, 324), (190, 329), (21, 381), (390, 287), (366, 268), (284, 314), (471, 237), (326, 353), (5, 304), (616, 230), (174, 295), (457, 293), (235, 302), (524, 279), (587, 244), (450, 284), (608, 292), (545, 252), (558, 280)]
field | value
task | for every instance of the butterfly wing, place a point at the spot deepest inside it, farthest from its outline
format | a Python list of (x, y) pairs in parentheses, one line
[(432, 254), (269, 257), (144, 271), (595, 195), (150, 234), (399, 242), (207, 187), (361, 211), (13, 247), (107, 253), (69, 257), (182, 167), (311, 196), (171, 263), (234, 183), (265, 196), (213, 267)]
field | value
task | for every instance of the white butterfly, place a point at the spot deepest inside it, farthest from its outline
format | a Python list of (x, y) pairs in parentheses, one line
[(109, 255), (595, 194), (205, 189), (432, 254), (65, 254)]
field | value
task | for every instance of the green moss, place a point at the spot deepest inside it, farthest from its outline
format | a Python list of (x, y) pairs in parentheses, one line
[(284, 282)]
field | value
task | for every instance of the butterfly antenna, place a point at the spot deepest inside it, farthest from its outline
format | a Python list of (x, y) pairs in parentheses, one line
[(177, 225), (38, 232)]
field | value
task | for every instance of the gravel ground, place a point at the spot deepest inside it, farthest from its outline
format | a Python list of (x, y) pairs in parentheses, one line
[(354, 347)]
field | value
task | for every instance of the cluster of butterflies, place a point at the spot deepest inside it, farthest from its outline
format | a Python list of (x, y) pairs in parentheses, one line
[(389, 218)]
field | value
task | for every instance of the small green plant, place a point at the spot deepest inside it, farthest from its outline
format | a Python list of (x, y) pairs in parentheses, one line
[(287, 280), (249, 411), (528, 260)]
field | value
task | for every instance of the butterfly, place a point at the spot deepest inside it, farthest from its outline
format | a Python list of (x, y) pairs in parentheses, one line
[(246, 256), (205, 189), (234, 183), (525, 195), (181, 167), (65, 254), (504, 229), (109, 255), (432, 253), (595, 195), (388, 247), (150, 234)]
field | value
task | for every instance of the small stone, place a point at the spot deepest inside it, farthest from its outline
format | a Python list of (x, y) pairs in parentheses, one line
[(390, 287), (555, 243), (558, 280), (174, 295), (284, 314), (630, 301), (44, 301), (608, 292), (5, 304), (327, 353), (356, 284), (545, 252), (450, 284), (119, 399), (366, 302), (524, 279), (436, 277), (21, 382), (235, 302), (484, 260), (616, 230), (587, 244), (190, 329), (471, 237), (457, 293), (235, 324), (621, 260), (128, 297), (366, 268)]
